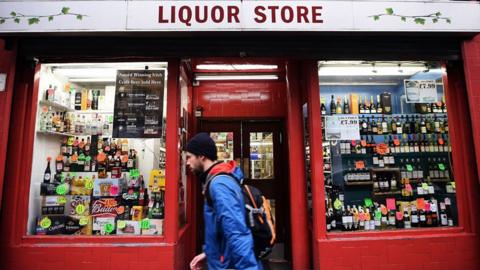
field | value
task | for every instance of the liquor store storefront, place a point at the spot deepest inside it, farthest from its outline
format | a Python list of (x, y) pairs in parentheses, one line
[(365, 144)]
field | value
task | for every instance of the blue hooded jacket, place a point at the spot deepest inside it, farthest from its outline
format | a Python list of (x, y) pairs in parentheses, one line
[(228, 240)]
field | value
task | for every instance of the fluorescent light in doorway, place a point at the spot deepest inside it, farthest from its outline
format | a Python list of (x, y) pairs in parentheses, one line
[(236, 77), (369, 71), (236, 67)]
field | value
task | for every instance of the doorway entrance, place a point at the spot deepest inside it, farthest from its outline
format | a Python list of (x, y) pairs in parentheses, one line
[(257, 147)]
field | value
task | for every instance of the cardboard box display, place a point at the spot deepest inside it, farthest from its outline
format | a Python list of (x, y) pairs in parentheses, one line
[(53, 205), (128, 227), (78, 205), (50, 225), (106, 187), (78, 225), (100, 226), (156, 227)]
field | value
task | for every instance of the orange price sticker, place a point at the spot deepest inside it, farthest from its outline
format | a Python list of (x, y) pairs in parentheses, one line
[(396, 142), (363, 143), (359, 164), (421, 203)]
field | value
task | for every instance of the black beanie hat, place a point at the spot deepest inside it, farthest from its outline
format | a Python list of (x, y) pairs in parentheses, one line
[(202, 145)]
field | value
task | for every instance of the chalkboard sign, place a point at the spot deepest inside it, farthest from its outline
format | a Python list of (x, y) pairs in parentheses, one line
[(139, 104)]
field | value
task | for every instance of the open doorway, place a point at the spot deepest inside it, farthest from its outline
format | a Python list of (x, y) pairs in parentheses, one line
[(241, 104)]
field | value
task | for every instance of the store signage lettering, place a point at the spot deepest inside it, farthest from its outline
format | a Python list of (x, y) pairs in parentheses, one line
[(231, 14)]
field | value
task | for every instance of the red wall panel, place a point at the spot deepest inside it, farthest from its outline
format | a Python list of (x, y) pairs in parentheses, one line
[(471, 56), (241, 99)]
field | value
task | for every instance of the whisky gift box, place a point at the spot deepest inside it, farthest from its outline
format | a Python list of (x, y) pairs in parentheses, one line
[(78, 225), (50, 225)]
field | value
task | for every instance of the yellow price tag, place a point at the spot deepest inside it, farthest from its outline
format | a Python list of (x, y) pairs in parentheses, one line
[(45, 223), (425, 186), (121, 224), (89, 184), (61, 200), (83, 221), (80, 209)]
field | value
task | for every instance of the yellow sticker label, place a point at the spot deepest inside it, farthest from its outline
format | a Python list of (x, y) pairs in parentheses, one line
[(45, 223), (121, 224), (453, 184), (61, 200), (83, 221), (89, 184), (425, 186), (80, 209)]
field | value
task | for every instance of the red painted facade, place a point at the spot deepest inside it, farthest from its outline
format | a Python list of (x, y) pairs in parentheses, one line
[(312, 246)]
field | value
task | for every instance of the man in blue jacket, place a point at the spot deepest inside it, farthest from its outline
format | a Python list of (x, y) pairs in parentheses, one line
[(228, 240)]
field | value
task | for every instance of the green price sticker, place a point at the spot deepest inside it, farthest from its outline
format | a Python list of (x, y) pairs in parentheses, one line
[(80, 209), (368, 202), (45, 223), (62, 177), (337, 204), (453, 184), (134, 173), (409, 167), (61, 200), (61, 189), (145, 224), (425, 186), (108, 228), (378, 215), (110, 118), (89, 184), (83, 221), (441, 166), (121, 224), (88, 158)]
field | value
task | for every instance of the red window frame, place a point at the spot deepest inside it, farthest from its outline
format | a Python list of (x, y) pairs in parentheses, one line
[(464, 172), (19, 166)]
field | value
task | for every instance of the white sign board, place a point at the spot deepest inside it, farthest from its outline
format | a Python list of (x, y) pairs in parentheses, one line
[(420, 91), (3, 81), (236, 15), (342, 127)]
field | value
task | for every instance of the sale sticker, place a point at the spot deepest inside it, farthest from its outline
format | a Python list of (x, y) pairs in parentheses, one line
[(121, 224), (108, 228), (45, 223), (145, 224), (80, 209), (391, 204), (61, 189)]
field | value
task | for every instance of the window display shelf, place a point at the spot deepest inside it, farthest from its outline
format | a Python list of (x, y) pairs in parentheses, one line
[(56, 105)]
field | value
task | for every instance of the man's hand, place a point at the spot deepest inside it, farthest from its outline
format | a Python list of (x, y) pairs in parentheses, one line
[(196, 263)]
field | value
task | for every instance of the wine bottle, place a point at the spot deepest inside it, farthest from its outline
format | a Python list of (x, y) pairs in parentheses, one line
[(333, 107), (323, 109), (361, 107), (379, 105), (339, 106), (346, 106), (48, 173), (373, 108)]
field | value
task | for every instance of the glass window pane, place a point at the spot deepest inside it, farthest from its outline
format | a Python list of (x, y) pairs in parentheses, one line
[(261, 155), (84, 181), (224, 143), (386, 146)]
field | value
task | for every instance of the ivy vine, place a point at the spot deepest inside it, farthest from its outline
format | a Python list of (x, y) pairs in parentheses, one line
[(17, 17), (420, 19)]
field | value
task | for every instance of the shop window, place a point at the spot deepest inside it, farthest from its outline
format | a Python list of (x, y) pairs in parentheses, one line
[(386, 146), (99, 150), (224, 144), (261, 155)]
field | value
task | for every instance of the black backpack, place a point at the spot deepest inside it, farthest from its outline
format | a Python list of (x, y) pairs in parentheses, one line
[(258, 216)]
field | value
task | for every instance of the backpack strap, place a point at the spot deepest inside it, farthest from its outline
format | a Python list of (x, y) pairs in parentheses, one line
[(252, 200), (206, 191)]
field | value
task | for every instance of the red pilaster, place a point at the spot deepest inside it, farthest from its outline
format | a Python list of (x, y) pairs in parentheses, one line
[(298, 187), (172, 173), (471, 64)]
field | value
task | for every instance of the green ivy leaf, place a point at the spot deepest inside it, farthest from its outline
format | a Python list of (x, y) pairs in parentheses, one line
[(13, 13), (420, 21), (65, 10), (435, 20), (389, 11), (50, 18), (404, 19), (79, 17), (449, 21), (16, 20), (2, 21), (33, 21), (376, 17)]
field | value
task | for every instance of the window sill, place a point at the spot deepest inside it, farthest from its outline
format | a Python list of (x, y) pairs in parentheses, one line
[(113, 240), (400, 233)]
